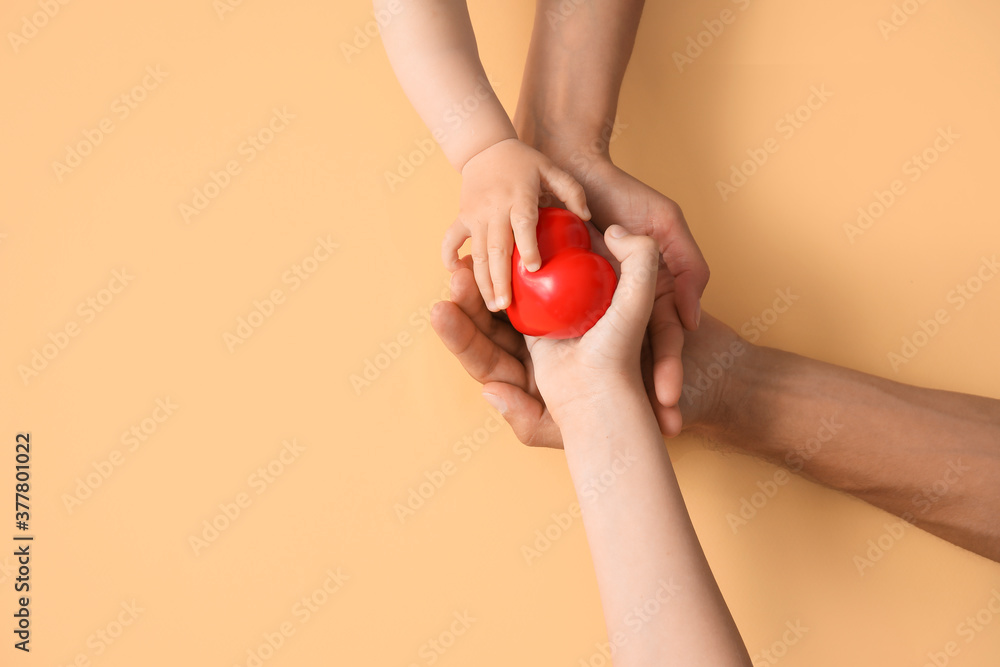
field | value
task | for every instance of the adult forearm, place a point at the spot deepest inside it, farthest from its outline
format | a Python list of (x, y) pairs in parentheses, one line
[(931, 457), (573, 74), (660, 599), (433, 52)]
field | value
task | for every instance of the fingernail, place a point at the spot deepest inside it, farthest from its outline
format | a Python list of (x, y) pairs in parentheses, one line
[(496, 402), (491, 305), (697, 314), (586, 213), (616, 231), (533, 266), (502, 302)]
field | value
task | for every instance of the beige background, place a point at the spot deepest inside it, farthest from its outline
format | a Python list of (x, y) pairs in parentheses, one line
[(323, 175)]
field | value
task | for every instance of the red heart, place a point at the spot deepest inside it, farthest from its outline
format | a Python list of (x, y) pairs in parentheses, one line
[(572, 289)]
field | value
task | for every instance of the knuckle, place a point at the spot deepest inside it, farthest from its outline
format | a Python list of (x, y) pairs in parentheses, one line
[(562, 179), (523, 221), (496, 251), (672, 209)]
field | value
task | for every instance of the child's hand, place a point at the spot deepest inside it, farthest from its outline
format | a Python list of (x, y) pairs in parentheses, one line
[(573, 374), (501, 188)]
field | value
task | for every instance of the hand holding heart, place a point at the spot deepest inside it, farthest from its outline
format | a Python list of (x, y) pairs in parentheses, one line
[(573, 287), (606, 358)]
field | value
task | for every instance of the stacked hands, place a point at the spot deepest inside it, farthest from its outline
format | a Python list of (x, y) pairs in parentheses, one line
[(537, 383), (646, 235), (611, 394), (555, 150)]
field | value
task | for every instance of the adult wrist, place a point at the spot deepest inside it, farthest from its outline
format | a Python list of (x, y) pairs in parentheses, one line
[(552, 116), (747, 389), (560, 136)]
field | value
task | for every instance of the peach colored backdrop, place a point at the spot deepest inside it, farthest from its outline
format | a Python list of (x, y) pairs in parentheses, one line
[(215, 329)]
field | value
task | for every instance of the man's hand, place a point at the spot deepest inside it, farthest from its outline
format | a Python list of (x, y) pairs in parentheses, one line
[(567, 109), (496, 356), (615, 197)]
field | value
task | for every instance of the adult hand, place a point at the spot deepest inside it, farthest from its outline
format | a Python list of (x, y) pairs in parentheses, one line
[(615, 197), (495, 355), (574, 376)]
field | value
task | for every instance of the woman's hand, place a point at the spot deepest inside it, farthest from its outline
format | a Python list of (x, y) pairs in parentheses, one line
[(572, 374)]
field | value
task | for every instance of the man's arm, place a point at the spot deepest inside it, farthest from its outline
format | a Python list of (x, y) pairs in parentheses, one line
[(569, 98), (573, 74), (929, 456)]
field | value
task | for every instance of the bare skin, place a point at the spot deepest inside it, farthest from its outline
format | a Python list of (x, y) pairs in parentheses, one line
[(433, 52), (558, 153), (644, 547), (893, 445), (567, 110)]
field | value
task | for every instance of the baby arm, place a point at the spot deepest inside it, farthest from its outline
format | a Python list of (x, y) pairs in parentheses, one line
[(433, 52)]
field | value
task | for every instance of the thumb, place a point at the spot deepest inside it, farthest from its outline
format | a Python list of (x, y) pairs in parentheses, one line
[(525, 414), (633, 300)]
